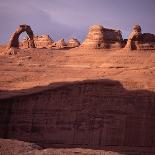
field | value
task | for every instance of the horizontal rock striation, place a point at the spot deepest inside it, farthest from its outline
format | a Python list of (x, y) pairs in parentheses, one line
[(43, 41), (100, 37), (73, 43), (60, 44), (91, 114)]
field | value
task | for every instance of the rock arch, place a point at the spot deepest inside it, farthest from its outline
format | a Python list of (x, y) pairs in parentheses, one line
[(140, 41), (14, 40)]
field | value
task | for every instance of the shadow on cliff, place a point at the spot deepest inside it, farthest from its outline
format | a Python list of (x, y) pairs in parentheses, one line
[(95, 114)]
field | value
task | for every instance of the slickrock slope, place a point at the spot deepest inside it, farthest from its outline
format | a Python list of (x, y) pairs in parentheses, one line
[(95, 99), (100, 37), (14, 147)]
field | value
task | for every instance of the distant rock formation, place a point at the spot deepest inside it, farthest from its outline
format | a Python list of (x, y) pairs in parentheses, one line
[(73, 43), (100, 37), (59, 44), (43, 41), (14, 40), (139, 41)]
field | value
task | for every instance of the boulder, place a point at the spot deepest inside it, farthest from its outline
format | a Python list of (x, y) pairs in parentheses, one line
[(100, 37), (73, 43)]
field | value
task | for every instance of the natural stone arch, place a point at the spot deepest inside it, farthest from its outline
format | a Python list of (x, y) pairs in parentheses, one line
[(14, 40)]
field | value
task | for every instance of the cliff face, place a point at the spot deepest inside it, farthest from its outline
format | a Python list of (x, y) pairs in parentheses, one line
[(92, 114)]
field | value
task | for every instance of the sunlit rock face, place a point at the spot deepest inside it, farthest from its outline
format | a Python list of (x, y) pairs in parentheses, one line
[(140, 41), (43, 41), (73, 43), (100, 37), (60, 44)]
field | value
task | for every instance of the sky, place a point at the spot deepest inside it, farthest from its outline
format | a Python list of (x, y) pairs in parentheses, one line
[(71, 18)]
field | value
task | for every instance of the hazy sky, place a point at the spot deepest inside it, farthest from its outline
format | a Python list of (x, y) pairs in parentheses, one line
[(71, 18)]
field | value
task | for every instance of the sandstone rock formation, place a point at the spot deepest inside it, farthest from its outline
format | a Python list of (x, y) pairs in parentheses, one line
[(100, 37), (16, 147), (73, 43), (14, 40), (59, 44), (92, 114), (139, 41), (43, 41)]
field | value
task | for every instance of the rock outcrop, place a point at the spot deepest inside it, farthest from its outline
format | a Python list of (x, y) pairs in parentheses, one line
[(59, 44), (14, 40), (73, 43), (100, 37), (16, 147), (140, 41), (92, 114), (43, 41)]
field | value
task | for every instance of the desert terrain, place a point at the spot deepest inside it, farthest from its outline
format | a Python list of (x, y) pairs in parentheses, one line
[(41, 67), (65, 98), (78, 79)]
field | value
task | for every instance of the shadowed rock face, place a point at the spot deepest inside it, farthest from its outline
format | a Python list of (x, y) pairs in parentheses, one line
[(91, 114), (14, 40), (99, 37), (140, 41)]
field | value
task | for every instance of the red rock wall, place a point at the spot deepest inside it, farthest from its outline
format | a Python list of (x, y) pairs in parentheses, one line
[(91, 114)]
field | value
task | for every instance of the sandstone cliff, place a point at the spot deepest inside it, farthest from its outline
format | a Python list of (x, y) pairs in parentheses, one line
[(92, 114)]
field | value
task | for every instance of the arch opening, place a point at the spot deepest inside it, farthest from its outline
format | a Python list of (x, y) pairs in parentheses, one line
[(14, 40)]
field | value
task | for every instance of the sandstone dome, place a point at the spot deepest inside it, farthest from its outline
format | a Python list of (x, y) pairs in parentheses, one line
[(137, 28), (73, 43), (42, 41), (59, 44), (100, 37), (96, 27)]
